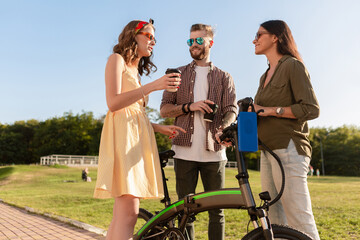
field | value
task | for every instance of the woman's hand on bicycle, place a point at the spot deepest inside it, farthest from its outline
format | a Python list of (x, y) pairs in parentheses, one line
[(170, 130), (262, 111)]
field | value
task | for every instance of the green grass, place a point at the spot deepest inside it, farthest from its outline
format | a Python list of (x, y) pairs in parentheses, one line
[(59, 190)]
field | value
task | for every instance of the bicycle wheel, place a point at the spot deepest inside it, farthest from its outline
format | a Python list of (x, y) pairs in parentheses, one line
[(280, 232), (143, 217)]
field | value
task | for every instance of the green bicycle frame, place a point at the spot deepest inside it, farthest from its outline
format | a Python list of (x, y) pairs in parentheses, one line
[(223, 198), (230, 198)]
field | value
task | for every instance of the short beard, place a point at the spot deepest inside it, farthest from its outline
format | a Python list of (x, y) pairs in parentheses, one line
[(203, 53)]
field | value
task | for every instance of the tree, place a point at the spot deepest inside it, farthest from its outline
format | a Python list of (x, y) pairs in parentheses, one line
[(70, 134), (341, 150), (15, 142)]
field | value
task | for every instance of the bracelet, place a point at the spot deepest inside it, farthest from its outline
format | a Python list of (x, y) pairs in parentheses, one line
[(143, 97), (183, 108), (188, 107), (142, 92)]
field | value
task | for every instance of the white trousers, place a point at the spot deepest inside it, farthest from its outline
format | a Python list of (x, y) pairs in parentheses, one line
[(294, 207)]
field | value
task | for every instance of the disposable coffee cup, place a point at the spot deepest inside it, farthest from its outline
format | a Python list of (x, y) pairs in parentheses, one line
[(172, 70), (209, 117)]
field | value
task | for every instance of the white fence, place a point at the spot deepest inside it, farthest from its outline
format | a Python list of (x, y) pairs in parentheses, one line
[(228, 164), (77, 160), (69, 160), (231, 164)]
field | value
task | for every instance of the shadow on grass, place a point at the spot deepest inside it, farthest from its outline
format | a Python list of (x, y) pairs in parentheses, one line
[(5, 172)]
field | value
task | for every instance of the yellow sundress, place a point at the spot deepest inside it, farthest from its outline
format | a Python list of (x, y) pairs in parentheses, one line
[(128, 155)]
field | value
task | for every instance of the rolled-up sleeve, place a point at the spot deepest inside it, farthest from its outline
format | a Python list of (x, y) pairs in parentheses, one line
[(306, 106), (229, 95), (168, 98)]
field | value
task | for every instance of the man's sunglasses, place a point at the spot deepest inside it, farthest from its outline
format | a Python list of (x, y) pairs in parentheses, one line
[(148, 35), (198, 40)]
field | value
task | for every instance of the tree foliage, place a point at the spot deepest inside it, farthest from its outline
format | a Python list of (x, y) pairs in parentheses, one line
[(341, 150), (16, 142), (24, 142), (70, 134)]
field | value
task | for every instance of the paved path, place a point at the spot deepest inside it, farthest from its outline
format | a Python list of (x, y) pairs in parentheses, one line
[(16, 223)]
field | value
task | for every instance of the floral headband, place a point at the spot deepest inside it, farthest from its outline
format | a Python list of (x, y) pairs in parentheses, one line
[(141, 24)]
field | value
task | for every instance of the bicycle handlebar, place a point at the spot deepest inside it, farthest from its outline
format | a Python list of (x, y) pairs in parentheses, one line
[(228, 132)]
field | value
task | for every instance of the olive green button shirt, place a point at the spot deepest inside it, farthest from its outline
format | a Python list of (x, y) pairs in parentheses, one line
[(288, 87)]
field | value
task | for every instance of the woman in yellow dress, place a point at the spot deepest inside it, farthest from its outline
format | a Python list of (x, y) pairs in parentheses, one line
[(129, 167)]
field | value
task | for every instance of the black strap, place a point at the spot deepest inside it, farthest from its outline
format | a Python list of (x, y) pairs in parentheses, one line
[(183, 108), (188, 107)]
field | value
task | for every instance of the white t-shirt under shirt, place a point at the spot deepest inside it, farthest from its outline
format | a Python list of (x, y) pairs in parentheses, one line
[(197, 152)]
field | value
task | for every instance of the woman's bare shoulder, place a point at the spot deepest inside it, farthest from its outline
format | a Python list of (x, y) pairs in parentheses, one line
[(115, 60)]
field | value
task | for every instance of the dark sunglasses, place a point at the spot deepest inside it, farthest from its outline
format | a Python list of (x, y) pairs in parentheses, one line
[(198, 40), (148, 35), (258, 35)]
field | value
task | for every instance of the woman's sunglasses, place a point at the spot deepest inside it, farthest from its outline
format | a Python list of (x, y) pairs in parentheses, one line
[(258, 35), (148, 35), (198, 40)]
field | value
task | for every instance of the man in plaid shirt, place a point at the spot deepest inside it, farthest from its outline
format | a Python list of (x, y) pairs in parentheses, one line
[(196, 150)]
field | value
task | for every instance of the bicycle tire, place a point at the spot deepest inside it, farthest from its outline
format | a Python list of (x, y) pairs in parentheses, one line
[(143, 216), (280, 231), (155, 232)]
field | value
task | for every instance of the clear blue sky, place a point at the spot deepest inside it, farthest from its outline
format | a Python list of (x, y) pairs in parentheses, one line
[(53, 53)]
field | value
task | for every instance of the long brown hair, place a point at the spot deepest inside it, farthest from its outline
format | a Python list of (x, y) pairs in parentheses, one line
[(127, 48), (286, 43)]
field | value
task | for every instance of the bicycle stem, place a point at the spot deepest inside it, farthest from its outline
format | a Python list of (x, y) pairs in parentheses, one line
[(243, 176)]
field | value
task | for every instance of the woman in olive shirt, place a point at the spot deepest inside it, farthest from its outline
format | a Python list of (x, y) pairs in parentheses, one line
[(288, 100)]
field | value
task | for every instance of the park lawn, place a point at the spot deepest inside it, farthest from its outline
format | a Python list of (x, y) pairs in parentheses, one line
[(59, 190)]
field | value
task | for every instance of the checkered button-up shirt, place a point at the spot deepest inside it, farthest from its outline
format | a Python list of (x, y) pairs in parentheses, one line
[(221, 91)]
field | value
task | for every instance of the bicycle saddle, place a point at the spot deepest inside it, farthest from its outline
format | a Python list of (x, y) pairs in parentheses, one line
[(164, 156)]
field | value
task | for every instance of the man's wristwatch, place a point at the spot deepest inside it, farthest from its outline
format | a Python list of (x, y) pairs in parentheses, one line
[(279, 111)]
